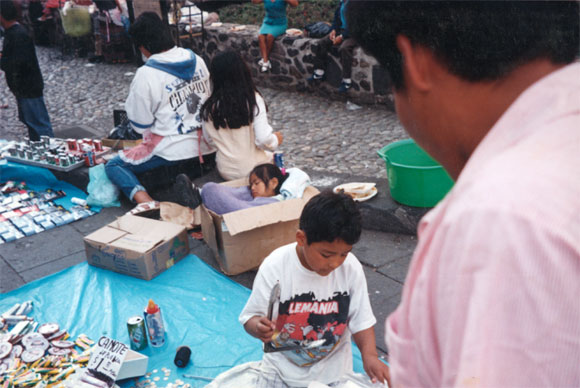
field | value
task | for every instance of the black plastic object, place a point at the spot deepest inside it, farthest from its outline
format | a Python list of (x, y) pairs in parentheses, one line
[(182, 356)]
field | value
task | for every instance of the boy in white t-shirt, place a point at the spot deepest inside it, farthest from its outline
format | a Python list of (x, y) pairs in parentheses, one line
[(323, 301)]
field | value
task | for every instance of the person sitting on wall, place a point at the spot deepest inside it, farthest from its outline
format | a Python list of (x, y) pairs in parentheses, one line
[(338, 37), (274, 25), (163, 105)]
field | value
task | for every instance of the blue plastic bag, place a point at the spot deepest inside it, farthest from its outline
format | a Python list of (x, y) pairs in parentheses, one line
[(101, 191)]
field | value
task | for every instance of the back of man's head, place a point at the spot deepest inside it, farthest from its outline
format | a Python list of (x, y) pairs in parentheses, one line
[(8, 10), (152, 33), (475, 40), (329, 216)]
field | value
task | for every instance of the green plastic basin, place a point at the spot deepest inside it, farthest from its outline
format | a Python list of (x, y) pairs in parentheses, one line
[(415, 179)]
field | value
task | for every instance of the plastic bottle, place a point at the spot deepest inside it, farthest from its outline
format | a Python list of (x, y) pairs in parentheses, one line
[(155, 328)]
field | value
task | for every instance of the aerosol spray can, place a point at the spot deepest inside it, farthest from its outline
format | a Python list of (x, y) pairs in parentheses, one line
[(155, 328)]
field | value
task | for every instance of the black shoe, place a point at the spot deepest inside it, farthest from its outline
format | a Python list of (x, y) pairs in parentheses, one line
[(97, 59), (314, 78), (187, 194)]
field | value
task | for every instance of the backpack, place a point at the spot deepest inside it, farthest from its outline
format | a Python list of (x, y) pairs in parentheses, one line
[(318, 29)]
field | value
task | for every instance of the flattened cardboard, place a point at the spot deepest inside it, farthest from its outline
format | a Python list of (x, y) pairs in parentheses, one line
[(137, 246), (118, 144), (241, 240)]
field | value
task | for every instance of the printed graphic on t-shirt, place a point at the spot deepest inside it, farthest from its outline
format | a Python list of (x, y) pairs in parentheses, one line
[(304, 319), (184, 98)]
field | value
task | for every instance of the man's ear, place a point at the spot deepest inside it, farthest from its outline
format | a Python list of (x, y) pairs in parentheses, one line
[(417, 62), (301, 238), (273, 183)]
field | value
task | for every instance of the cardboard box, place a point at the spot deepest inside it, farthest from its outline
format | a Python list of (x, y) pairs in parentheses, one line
[(137, 246), (134, 365), (241, 240), (117, 144)]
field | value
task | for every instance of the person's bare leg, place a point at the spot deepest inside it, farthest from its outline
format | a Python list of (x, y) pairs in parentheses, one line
[(269, 45), (141, 197), (263, 48)]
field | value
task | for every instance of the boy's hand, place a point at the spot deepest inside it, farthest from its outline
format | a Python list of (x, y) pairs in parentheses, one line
[(332, 35), (376, 369), (279, 137), (337, 40), (260, 327)]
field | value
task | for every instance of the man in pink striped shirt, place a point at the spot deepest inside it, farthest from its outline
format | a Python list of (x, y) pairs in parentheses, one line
[(490, 90)]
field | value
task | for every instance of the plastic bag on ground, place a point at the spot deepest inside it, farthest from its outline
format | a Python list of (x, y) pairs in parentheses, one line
[(101, 191)]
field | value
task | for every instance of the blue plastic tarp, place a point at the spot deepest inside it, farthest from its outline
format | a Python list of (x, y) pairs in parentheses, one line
[(200, 308)]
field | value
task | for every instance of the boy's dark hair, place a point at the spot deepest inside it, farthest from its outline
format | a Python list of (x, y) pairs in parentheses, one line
[(476, 40), (8, 10), (152, 33), (266, 172), (329, 216), (233, 98)]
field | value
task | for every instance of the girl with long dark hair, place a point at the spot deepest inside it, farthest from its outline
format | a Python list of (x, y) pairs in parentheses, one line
[(235, 118)]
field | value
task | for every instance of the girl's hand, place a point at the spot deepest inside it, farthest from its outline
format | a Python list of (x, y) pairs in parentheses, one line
[(337, 40), (280, 137), (293, 3), (257, 1)]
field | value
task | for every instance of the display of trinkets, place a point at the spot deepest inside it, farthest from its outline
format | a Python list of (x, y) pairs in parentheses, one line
[(26, 212), (37, 355), (57, 154)]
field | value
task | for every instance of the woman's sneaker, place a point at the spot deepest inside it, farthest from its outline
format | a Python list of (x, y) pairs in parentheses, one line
[(265, 66), (187, 194), (344, 87)]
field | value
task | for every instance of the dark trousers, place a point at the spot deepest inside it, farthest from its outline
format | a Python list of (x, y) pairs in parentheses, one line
[(32, 112), (345, 50)]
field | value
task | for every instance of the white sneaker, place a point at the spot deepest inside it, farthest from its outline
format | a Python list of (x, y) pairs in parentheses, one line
[(261, 62), (265, 67)]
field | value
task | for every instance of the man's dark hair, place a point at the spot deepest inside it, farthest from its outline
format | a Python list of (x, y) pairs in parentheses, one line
[(8, 10), (150, 32), (476, 40), (329, 216), (233, 99)]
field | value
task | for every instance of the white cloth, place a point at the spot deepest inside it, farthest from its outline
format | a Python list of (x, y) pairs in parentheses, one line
[(168, 105), (312, 307), (239, 150), (294, 185)]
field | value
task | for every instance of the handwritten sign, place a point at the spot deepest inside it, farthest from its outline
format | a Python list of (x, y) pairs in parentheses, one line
[(107, 357)]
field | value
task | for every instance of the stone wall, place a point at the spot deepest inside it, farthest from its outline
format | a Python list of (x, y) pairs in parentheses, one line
[(292, 63)]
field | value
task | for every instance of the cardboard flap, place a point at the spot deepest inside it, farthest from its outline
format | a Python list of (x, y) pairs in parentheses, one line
[(255, 217), (147, 228), (106, 235), (136, 243)]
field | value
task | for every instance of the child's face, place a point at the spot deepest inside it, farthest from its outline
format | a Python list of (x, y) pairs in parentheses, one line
[(322, 257), (260, 189)]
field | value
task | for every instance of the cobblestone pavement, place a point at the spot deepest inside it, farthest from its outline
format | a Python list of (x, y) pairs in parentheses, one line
[(319, 134)]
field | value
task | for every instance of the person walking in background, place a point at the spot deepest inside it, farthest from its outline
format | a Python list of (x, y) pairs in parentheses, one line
[(23, 76), (235, 118), (339, 37), (490, 90), (274, 25)]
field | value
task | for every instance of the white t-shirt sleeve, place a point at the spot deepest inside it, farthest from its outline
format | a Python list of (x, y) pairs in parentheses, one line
[(139, 105), (360, 312), (265, 139), (258, 302)]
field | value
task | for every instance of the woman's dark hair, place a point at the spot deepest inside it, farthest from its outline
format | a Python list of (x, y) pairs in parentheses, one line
[(265, 172), (233, 98), (8, 10), (329, 216), (150, 32), (476, 40)]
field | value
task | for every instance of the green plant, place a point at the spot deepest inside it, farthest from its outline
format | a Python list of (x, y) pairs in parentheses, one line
[(308, 11)]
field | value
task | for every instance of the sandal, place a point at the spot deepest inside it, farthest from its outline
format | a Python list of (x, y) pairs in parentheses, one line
[(144, 207)]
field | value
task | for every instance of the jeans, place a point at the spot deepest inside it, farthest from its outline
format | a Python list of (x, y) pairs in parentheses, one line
[(122, 174), (345, 50), (32, 112)]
